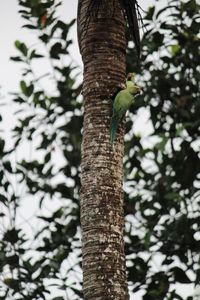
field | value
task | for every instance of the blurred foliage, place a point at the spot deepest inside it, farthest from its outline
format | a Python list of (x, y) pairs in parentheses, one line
[(47, 141), (162, 170)]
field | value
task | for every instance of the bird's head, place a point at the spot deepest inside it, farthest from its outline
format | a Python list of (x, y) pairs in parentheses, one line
[(133, 88), (136, 90)]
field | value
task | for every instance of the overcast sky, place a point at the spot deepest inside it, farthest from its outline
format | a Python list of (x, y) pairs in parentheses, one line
[(11, 30), (10, 24)]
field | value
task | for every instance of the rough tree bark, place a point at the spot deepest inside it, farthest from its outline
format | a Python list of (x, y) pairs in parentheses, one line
[(103, 45)]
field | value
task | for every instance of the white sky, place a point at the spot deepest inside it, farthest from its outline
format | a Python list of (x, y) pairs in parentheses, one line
[(10, 24), (10, 75)]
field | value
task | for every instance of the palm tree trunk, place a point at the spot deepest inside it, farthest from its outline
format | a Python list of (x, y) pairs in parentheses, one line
[(103, 45)]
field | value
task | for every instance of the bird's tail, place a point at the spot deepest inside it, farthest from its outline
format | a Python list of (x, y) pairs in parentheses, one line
[(113, 129)]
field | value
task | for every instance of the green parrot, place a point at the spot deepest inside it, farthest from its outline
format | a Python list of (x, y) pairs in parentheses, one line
[(122, 103)]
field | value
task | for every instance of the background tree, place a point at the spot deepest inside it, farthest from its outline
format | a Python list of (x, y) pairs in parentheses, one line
[(163, 173), (161, 169), (50, 108)]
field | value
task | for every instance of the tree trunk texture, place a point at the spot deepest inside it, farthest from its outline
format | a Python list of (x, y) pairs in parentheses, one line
[(103, 46)]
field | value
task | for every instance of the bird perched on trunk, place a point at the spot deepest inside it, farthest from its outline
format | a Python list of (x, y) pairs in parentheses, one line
[(131, 11), (122, 103)]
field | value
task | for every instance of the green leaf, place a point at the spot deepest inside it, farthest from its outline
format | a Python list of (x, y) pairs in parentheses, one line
[(29, 26), (33, 54), (47, 157), (11, 236), (21, 47), (56, 50), (2, 144), (7, 166), (44, 38), (174, 49), (26, 90), (3, 199), (16, 58), (23, 86), (180, 275), (12, 283), (150, 13), (13, 260)]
